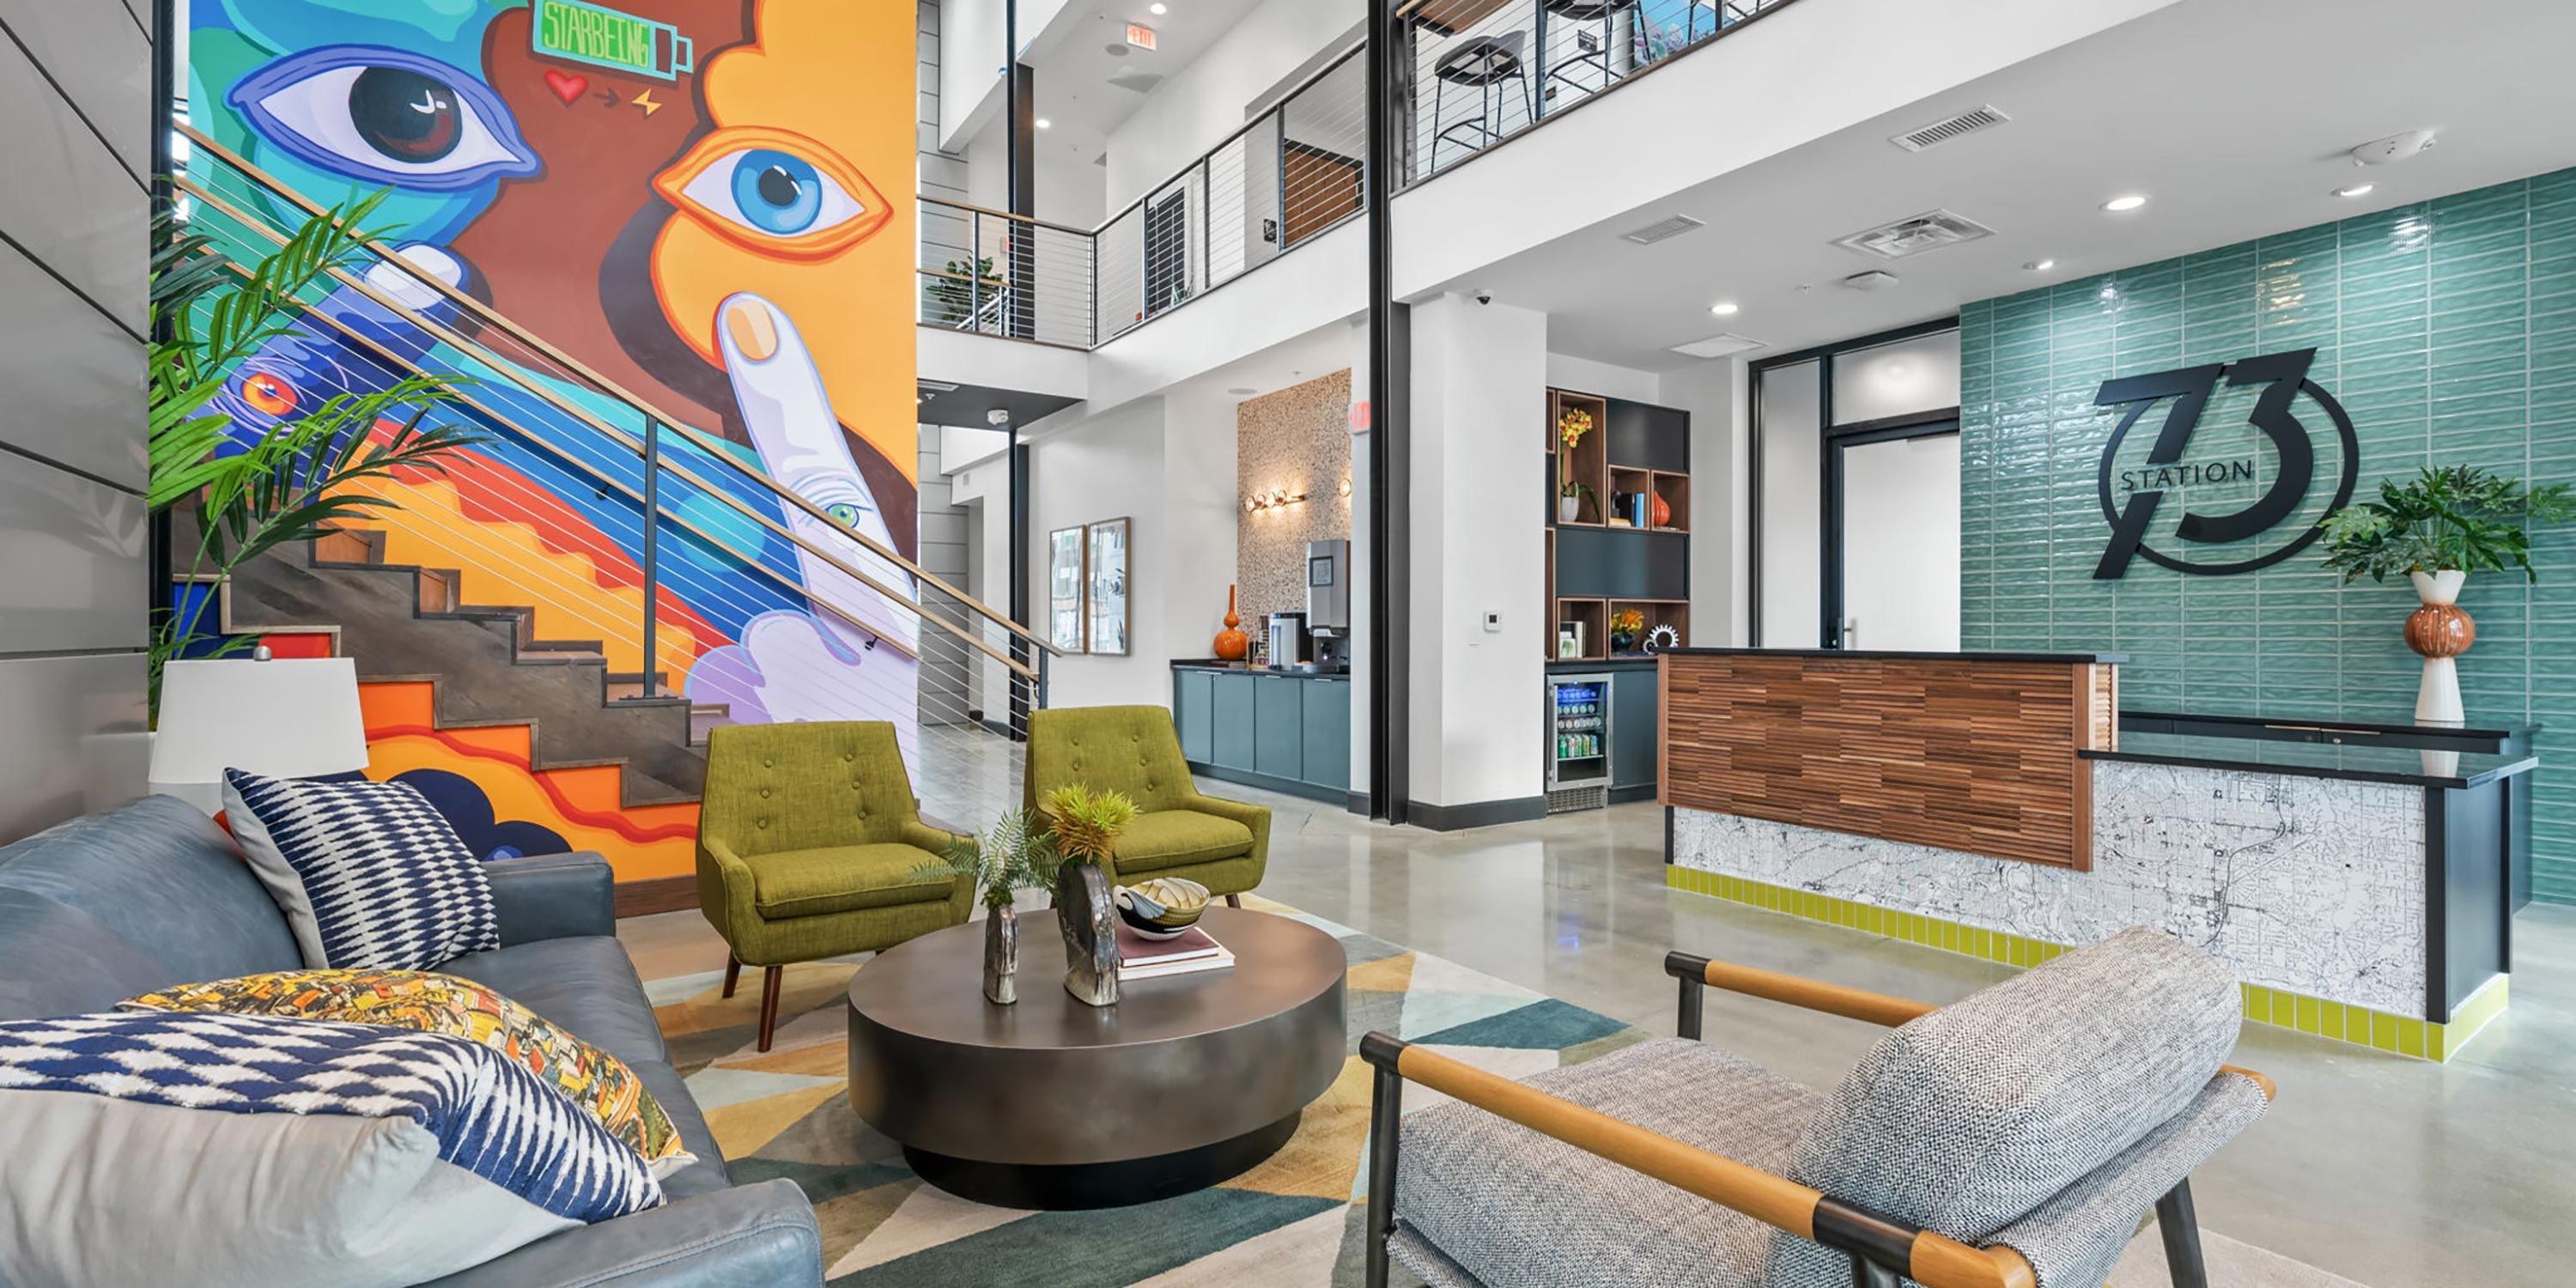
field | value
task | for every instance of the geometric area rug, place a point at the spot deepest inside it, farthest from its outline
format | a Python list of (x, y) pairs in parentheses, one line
[(1294, 1221)]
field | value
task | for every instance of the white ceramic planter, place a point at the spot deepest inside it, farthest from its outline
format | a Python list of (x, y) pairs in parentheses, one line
[(1567, 508), (2440, 632)]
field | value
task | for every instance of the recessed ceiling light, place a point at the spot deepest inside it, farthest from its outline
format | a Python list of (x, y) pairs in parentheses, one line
[(1044, 123), (1157, 10), (2356, 190), (2130, 202), (1723, 308), (2039, 265)]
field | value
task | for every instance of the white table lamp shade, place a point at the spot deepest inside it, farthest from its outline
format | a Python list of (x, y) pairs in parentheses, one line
[(285, 718)]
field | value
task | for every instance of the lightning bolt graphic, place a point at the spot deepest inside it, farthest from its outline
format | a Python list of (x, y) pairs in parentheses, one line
[(645, 100)]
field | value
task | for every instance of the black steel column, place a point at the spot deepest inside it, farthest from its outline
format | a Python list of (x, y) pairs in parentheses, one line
[(1020, 598), (1390, 438), (1020, 156), (160, 562)]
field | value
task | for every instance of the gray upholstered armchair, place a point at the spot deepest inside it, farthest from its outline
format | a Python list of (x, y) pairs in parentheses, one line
[(2013, 1139)]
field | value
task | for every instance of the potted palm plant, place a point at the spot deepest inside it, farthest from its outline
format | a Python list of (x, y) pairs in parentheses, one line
[(300, 477), (2437, 528)]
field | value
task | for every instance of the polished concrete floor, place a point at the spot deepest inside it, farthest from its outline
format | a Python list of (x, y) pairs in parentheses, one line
[(2396, 1173)]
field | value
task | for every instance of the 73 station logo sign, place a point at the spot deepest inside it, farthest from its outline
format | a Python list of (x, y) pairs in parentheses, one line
[(2135, 493)]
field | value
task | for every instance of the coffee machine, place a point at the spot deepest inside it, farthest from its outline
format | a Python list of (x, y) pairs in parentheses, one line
[(1287, 638), (1328, 604)]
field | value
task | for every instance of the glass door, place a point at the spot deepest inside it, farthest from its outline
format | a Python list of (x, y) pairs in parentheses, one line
[(1893, 567), (1579, 715)]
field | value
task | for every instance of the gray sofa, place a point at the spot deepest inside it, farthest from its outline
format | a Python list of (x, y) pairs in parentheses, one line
[(153, 894)]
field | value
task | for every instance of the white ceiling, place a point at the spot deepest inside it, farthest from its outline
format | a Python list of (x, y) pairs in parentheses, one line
[(1073, 65), (2232, 116)]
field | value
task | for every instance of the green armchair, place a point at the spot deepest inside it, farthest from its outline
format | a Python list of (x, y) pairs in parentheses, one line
[(1221, 844), (811, 845)]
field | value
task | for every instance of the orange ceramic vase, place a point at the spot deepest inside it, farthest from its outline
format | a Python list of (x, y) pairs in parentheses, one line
[(1231, 644)]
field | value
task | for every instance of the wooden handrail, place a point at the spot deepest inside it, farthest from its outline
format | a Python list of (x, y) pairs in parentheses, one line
[(1776, 1201), (629, 442), (529, 338)]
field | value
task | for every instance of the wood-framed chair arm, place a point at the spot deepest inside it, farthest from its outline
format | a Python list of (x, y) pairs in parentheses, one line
[(1832, 999), (1928, 1258)]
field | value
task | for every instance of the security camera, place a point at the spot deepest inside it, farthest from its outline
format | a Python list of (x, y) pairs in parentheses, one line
[(1484, 297)]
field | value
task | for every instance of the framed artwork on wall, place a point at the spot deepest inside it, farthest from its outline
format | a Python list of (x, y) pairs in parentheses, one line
[(1064, 591), (1105, 558)]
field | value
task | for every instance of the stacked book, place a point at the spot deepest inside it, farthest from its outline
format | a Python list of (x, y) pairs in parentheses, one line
[(1188, 953)]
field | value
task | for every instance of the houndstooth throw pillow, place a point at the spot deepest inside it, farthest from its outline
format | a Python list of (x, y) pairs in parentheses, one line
[(370, 876)]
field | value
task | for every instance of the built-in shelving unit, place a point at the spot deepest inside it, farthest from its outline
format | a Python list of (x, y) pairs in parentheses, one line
[(1627, 548)]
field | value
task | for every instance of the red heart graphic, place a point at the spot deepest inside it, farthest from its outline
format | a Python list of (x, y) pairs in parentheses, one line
[(567, 88)]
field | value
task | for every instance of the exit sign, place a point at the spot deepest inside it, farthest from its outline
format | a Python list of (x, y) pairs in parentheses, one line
[(1140, 35)]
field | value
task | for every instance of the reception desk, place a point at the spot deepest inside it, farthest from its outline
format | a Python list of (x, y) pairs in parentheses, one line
[(2359, 877)]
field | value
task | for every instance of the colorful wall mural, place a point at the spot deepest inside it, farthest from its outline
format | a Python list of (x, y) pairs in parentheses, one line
[(706, 202)]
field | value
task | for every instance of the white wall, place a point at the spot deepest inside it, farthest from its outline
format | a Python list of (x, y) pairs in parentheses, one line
[(1166, 463), (1479, 382), (984, 490), (1191, 112), (971, 60), (1068, 190), (1707, 390), (1583, 375)]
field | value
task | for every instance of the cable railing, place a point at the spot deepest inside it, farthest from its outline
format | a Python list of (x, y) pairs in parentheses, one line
[(1478, 73), (672, 551)]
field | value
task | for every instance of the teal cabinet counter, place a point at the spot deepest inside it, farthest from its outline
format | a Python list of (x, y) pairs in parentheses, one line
[(1289, 731)]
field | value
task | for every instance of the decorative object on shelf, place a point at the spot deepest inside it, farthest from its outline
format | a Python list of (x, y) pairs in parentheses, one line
[(1663, 511), (1231, 643), (1571, 426), (2437, 528), (1569, 639), (1085, 825), (1663, 638), (1625, 626), (1162, 907), (1015, 855)]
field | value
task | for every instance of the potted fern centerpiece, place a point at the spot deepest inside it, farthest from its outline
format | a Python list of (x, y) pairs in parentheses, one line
[(2437, 528), (1085, 825), (1016, 854)]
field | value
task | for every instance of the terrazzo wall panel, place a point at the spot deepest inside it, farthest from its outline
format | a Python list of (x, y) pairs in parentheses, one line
[(1296, 440), (2446, 330)]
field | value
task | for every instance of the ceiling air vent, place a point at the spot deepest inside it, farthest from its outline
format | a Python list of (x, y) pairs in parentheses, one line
[(1930, 230), (1717, 346), (1940, 132), (1870, 280), (1137, 80), (1661, 229)]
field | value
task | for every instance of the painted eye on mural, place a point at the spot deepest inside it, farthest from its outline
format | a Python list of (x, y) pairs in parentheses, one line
[(268, 394), (774, 191), (384, 116), (845, 515)]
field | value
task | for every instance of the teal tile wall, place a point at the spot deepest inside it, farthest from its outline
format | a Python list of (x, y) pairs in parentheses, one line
[(2447, 329)]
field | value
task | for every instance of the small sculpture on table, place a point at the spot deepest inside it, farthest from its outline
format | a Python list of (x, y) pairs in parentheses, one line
[(1085, 825), (1016, 854), (1231, 643)]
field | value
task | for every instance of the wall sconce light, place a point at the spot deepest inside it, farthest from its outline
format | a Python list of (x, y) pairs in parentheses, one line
[(1272, 499), (1344, 491)]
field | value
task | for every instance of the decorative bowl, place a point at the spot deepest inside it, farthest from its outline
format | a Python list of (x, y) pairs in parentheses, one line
[(1162, 907)]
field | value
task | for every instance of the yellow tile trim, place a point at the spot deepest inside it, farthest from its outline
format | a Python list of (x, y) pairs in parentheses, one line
[(2334, 1021)]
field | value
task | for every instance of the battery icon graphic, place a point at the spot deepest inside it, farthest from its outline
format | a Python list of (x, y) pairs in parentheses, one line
[(603, 37)]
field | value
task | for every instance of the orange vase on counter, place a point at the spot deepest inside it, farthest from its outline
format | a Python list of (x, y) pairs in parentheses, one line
[(1231, 644)]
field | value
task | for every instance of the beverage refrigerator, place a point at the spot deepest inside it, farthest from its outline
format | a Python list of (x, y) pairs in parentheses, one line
[(1578, 765)]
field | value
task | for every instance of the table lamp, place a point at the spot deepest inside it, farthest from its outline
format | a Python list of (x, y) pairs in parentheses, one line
[(283, 717)]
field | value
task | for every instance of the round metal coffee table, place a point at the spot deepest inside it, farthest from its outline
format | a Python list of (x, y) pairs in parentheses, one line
[(1049, 1103)]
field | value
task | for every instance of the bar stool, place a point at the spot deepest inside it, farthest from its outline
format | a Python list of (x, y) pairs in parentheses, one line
[(1481, 64), (1582, 11)]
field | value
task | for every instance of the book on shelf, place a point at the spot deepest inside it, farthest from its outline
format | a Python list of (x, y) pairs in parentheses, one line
[(1191, 951)]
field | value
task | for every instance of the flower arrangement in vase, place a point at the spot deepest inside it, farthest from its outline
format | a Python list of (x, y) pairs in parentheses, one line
[(2437, 528), (1016, 854), (1625, 626), (1571, 427), (1084, 826)]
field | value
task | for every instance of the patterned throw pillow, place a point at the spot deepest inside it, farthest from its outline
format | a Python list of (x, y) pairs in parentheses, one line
[(254, 1150), (368, 874), (599, 1082)]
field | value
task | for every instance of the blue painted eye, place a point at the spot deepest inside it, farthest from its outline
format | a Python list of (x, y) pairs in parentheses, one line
[(771, 192), (778, 193), (384, 116), (845, 515)]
